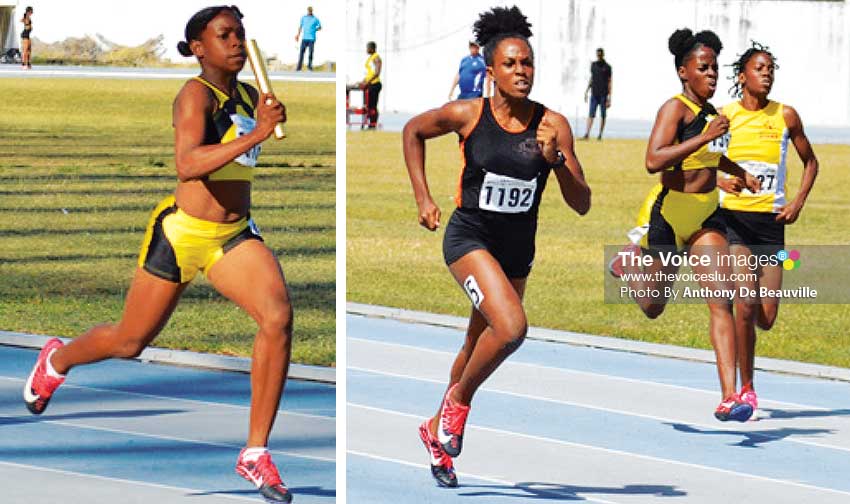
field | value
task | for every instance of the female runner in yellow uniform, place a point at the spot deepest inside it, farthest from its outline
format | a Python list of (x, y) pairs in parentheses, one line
[(687, 148), (755, 221), (205, 226)]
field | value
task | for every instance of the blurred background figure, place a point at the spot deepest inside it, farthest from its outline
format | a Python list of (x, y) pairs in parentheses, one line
[(600, 92), (371, 84), (26, 43), (471, 75), (309, 26)]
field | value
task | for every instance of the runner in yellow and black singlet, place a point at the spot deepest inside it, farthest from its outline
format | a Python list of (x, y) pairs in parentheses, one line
[(687, 147), (204, 226)]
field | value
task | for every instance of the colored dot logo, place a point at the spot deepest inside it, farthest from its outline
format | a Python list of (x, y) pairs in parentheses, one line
[(790, 259)]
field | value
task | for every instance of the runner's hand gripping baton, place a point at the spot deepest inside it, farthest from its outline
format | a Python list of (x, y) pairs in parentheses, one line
[(258, 65)]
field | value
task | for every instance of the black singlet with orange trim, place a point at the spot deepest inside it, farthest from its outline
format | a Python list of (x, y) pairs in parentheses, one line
[(504, 172)]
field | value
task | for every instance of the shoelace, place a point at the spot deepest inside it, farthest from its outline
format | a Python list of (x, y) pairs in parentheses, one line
[(439, 454), (436, 449), (267, 470), (729, 402), (454, 416)]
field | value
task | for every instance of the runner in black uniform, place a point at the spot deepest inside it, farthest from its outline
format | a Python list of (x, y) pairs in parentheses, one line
[(509, 145), (26, 43)]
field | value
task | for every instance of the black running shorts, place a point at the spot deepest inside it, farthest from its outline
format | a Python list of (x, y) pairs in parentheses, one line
[(757, 230), (510, 242)]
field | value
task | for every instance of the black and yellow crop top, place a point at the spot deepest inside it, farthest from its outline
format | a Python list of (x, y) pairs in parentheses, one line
[(708, 155), (233, 118), (27, 27)]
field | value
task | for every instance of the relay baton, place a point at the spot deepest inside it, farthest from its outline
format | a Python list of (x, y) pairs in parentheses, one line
[(258, 65)]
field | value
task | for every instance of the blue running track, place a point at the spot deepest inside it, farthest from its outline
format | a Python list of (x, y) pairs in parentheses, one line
[(132, 432), (559, 422)]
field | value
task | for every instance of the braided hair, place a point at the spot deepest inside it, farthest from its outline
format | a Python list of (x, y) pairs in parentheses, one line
[(199, 21), (498, 24), (738, 66), (682, 43)]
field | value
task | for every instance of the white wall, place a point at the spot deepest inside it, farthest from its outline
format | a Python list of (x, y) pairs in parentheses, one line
[(8, 37), (421, 44)]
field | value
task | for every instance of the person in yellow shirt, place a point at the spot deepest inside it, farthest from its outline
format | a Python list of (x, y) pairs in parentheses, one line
[(761, 132), (371, 84)]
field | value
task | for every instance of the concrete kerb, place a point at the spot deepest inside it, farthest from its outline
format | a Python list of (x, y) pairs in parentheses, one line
[(186, 358), (605, 342)]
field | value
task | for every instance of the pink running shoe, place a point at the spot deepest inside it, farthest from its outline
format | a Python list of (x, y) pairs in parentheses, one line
[(615, 265), (262, 472), (40, 385), (442, 467), (748, 395), (452, 422)]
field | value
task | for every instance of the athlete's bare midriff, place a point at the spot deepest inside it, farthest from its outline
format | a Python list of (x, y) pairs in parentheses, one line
[(222, 201), (702, 180)]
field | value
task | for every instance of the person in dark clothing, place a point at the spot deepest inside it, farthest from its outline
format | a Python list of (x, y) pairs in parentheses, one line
[(600, 92), (510, 145)]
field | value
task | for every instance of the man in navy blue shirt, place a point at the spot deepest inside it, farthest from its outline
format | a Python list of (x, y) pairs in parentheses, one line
[(309, 25), (471, 75), (599, 88)]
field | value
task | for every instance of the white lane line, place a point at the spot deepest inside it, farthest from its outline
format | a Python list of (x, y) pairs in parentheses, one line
[(161, 437), (476, 476), (180, 399), (588, 373), (616, 452), (731, 430), (121, 480)]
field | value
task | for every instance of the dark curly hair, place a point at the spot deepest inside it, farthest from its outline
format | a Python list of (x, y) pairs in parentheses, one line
[(741, 62), (497, 25), (199, 21), (682, 43)]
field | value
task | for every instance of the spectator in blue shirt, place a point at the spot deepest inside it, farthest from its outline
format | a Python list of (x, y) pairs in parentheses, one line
[(309, 25), (471, 75)]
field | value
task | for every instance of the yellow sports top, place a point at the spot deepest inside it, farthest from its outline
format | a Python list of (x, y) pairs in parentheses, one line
[(759, 145), (233, 118), (707, 156), (371, 77)]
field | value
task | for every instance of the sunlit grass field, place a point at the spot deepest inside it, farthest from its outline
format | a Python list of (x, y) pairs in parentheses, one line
[(393, 261), (82, 164)]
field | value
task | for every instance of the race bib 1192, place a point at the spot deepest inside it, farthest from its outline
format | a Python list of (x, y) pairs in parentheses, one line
[(503, 194)]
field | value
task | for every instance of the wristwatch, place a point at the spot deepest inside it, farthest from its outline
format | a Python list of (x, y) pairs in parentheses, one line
[(559, 161)]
